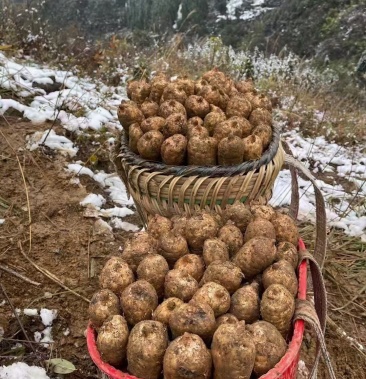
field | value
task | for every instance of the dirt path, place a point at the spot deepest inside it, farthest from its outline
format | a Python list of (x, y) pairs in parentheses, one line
[(70, 246)]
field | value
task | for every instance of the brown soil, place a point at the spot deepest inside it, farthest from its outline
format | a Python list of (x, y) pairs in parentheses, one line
[(62, 241), (65, 243)]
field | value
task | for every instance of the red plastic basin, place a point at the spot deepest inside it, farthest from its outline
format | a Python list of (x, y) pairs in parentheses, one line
[(286, 368)]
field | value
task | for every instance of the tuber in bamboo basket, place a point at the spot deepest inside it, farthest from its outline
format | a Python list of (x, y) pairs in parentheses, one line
[(157, 188)]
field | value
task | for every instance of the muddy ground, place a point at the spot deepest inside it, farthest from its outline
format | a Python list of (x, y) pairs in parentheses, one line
[(67, 244)]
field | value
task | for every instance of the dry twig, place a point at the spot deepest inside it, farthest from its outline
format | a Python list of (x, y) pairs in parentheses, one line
[(17, 316), (363, 289), (89, 252), (343, 335), (20, 276)]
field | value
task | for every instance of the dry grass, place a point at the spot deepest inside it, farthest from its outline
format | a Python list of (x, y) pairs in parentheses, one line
[(342, 118), (345, 275)]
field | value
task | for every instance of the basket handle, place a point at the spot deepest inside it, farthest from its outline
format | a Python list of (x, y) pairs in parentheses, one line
[(315, 316), (321, 221)]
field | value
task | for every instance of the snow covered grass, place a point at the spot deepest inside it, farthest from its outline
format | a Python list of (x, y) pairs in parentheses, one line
[(343, 210), (50, 139), (258, 64), (99, 104), (252, 9), (75, 95)]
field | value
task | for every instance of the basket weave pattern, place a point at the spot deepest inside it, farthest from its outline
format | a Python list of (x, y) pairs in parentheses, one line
[(170, 190)]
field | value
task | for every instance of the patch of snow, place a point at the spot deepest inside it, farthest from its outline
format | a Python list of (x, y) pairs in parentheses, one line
[(114, 186), (257, 3), (179, 16), (30, 312), (92, 199), (50, 139), (42, 80), (234, 10), (21, 370), (86, 107), (47, 336), (232, 5), (66, 332), (97, 118), (78, 169), (128, 227), (351, 169), (6, 104), (47, 316), (1, 221), (116, 212), (340, 213), (75, 181), (111, 141), (37, 336)]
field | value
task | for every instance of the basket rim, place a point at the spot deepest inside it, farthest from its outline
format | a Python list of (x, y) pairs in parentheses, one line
[(287, 361), (200, 171)]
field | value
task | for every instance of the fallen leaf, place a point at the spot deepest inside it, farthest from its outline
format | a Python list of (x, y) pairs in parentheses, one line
[(61, 366)]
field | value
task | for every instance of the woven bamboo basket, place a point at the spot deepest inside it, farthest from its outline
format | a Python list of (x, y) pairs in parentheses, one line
[(157, 188)]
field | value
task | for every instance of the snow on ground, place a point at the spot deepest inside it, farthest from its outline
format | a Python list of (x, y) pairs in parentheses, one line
[(30, 312), (95, 200), (252, 9), (116, 190), (47, 317), (118, 224), (78, 105), (179, 17), (21, 370), (50, 139), (88, 106), (339, 165)]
